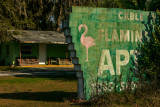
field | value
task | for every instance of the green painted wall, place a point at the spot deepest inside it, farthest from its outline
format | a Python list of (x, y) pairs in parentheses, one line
[(4, 58), (56, 50), (53, 50), (113, 35), (14, 52)]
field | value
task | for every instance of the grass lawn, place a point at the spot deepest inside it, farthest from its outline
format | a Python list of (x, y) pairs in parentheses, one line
[(46, 91), (8, 68)]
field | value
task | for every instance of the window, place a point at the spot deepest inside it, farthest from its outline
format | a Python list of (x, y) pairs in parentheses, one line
[(7, 47), (26, 50)]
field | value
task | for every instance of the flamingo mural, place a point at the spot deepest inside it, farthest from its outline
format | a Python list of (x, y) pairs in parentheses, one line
[(86, 41)]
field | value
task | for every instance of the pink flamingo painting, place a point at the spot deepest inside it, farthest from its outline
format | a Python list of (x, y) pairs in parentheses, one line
[(86, 41)]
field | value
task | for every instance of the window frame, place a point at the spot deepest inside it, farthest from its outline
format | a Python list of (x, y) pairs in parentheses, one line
[(24, 50)]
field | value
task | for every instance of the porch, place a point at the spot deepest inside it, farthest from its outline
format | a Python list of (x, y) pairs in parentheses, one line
[(43, 55), (37, 49)]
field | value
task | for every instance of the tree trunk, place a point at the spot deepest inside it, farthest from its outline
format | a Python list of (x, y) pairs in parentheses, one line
[(59, 19)]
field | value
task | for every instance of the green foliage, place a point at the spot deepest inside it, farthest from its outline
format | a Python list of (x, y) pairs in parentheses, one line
[(141, 4), (39, 14), (106, 3), (24, 14), (14, 16), (149, 58)]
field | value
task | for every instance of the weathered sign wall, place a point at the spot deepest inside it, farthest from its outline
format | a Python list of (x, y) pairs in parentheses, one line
[(105, 40)]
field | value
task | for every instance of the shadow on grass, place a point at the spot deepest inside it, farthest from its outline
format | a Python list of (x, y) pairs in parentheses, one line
[(52, 77), (56, 96)]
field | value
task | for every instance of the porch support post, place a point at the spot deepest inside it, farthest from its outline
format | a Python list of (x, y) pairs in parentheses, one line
[(49, 61), (20, 53), (66, 57), (66, 54)]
